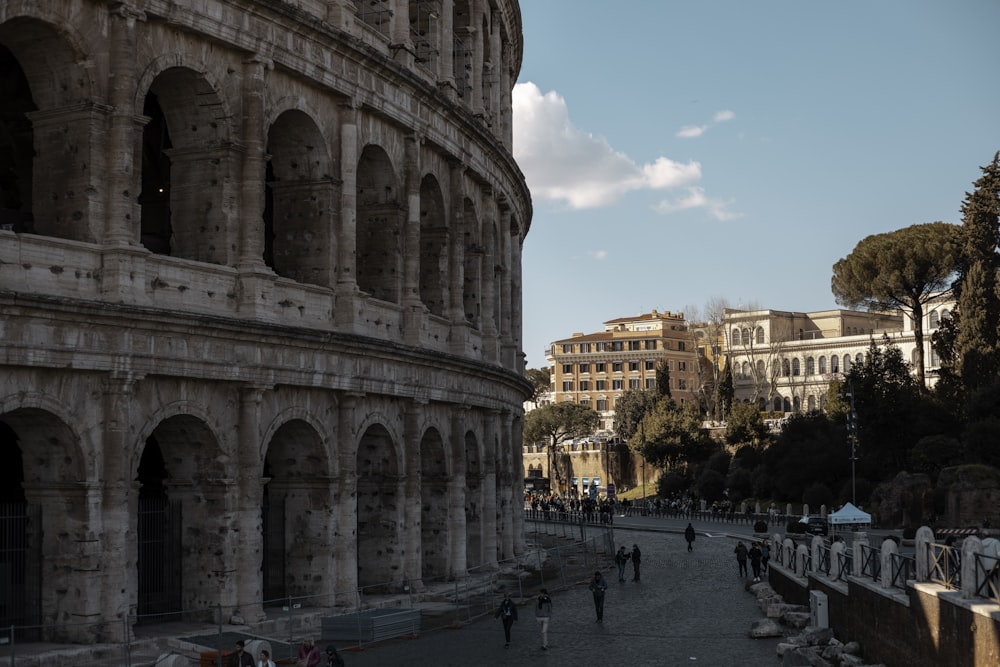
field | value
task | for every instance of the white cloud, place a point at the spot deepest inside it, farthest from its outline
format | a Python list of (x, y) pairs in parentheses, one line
[(598, 254), (723, 116), (563, 163), (691, 131), (696, 198)]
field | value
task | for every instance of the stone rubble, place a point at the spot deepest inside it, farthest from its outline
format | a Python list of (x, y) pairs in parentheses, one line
[(812, 647)]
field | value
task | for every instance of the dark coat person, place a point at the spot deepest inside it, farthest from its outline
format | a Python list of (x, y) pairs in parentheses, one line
[(689, 536)]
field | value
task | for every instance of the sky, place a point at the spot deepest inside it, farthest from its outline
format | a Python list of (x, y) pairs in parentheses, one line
[(683, 152)]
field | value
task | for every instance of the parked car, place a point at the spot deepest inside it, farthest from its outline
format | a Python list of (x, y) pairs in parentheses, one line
[(816, 525)]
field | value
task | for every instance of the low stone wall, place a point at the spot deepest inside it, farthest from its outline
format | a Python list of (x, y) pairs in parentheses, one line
[(925, 626)]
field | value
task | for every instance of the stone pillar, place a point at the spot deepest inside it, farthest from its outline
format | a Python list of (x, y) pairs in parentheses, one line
[(490, 521), (921, 552), (123, 178), (488, 281), (475, 93), (515, 299), (971, 546), (348, 233), (889, 549), (510, 504), (456, 494), (456, 282), (249, 491), (251, 228), (492, 89), (857, 563), (341, 14), (399, 32), (412, 518), (413, 313), (517, 454), (447, 66), (345, 543), (119, 524)]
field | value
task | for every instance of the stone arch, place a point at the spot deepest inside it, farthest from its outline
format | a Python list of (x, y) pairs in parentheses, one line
[(434, 242), (472, 273), (53, 57), (473, 500), (379, 226), (434, 506), (299, 238), (297, 512), (188, 165), (379, 510), (183, 530)]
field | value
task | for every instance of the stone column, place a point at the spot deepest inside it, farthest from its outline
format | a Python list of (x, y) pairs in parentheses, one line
[(456, 493), (399, 32), (345, 313), (456, 252), (517, 455), (413, 313), (515, 299), (487, 280), (251, 229), (123, 178), (345, 543), (509, 503), (446, 37), (475, 93), (249, 491), (412, 517), (490, 509), (119, 522), (341, 14), (493, 86)]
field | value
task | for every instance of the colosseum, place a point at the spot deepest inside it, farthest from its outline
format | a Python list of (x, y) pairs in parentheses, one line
[(260, 285)]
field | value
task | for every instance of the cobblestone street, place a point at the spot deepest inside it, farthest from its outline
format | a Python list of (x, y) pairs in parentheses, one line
[(688, 609)]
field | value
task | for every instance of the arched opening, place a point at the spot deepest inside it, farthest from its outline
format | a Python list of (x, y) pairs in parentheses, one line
[(154, 198), (20, 540), (379, 512), (434, 273), (16, 146), (471, 289), (434, 501), (379, 227)]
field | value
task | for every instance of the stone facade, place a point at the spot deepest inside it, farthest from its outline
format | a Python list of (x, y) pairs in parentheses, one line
[(260, 290)]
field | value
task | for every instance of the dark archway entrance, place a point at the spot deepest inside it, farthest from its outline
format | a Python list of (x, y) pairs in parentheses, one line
[(159, 540), (20, 552)]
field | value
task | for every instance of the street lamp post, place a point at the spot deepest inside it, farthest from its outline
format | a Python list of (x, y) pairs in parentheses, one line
[(852, 434)]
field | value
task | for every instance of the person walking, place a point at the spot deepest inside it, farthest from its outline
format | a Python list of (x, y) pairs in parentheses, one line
[(765, 555), (506, 612), (636, 560), (543, 611), (265, 659), (333, 658), (597, 586), (741, 558), (621, 558), (755, 556), (689, 536), (308, 655)]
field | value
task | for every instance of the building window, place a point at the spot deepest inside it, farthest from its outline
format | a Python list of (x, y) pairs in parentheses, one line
[(795, 366), (585, 347), (682, 365), (599, 367), (786, 368), (584, 368), (760, 335), (650, 383), (834, 364), (567, 369), (585, 401), (682, 383), (650, 365), (634, 345), (847, 363), (650, 344), (616, 366), (616, 346), (567, 349), (602, 405), (633, 366), (736, 337), (568, 385), (680, 346), (616, 385), (810, 366), (584, 385), (822, 365), (666, 345), (602, 385), (633, 383)]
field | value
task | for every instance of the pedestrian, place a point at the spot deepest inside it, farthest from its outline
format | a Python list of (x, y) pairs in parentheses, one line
[(689, 536), (506, 612), (333, 658), (597, 586), (308, 654), (755, 556), (741, 558), (240, 658), (621, 558), (765, 555), (265, 659), (636, 560), (543, 611)]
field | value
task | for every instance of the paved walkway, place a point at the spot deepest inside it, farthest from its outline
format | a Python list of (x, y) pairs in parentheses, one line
[(688, 609)]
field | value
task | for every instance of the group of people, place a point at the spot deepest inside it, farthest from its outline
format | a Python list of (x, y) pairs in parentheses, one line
[(308, 656), (758, 555)]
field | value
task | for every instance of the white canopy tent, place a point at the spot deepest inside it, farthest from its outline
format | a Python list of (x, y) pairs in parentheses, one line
[(849, 516)]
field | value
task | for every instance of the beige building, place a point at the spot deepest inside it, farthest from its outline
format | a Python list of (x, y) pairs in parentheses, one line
[(260, 285)]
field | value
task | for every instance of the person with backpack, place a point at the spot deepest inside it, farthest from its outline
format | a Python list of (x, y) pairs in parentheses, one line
[(621, 558), (543, 612), (506, 612), (597, 586), (741, 558)]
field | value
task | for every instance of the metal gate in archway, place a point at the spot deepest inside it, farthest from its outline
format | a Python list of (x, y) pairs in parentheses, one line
[(273, 561), (20, 563), (160, 554)]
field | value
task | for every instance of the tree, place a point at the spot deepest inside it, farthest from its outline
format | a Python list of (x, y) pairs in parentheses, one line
[(977, 347), (550, 425), (540, 379), (631, 408), (901, 270), (745, 426), (673, 436), (725, 392), (663, 379)]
